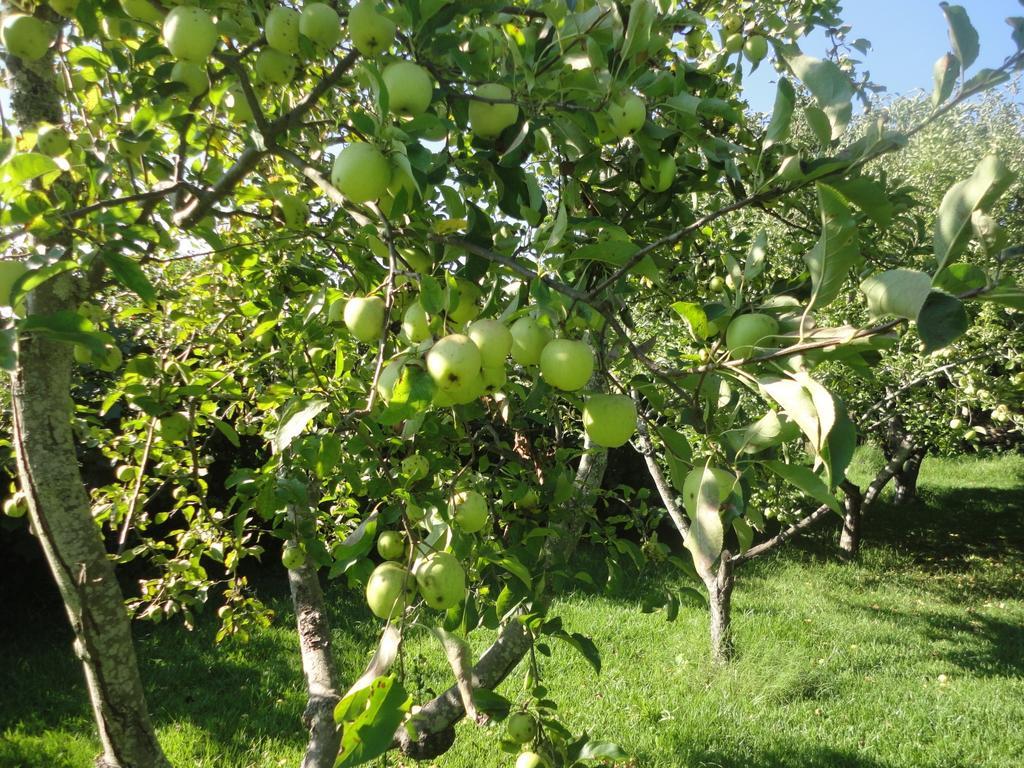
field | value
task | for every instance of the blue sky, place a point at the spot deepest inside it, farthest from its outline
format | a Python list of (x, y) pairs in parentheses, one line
[(907, 36)]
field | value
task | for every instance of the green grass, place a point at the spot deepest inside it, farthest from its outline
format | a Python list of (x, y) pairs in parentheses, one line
[(839, 665)]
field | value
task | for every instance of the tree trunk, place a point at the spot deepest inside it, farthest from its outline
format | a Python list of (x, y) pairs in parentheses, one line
[(318, 667), (720, 599), (849, 540), (60, 513), (58, 504), (905, 479)]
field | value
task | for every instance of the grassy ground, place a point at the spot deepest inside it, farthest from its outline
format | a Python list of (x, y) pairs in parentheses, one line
[(912, 657)]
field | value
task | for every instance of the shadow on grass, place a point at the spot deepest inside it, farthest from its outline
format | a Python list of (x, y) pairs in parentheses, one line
[(232, 692), (800, 756)]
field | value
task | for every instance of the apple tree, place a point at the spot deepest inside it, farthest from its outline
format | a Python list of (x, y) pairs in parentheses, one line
[(359, 287)]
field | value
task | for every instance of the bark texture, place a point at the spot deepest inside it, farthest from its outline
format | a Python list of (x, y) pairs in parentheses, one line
[(58, 504), (318, 667), (720, 599), (849, 540), (905, 479), (60, 513)]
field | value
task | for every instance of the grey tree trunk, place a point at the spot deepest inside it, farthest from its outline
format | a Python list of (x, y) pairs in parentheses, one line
[(905, 479), (314, 630), (720, 599), (58, 504), (849, 540), (60, 513)]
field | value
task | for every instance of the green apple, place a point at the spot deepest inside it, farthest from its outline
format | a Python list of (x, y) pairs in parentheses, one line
[(528, 340), (529, 501), (175, 427), (469, 510), (441, 580), (749, 331), (17, 505), (605, 134), (274, 67), (454, 363), (493, 340), (487, 119), (414, 512), (66, 8), (462, 393), (493, 378), (610, 420), (410, 88), (237, 105), (415, 467), (955, 423), (724, 480), (190, 34), (192, 76), (371, 32), (521, 727), (415, 323), (391, 545), (530, 760), (361, 172), (131, 146), (390, 376), (293, 556), (364, 317), (466, 309), (390, 589), (143, 10), (627, 115), (321, 24), (10, 271), (732, 22), (126, 473), (566, 364), (733, 43), (418, 260), (282, 30), (294, 211), (111, 359), (716, 284), (659, 177), (755, 49), (26, 37)]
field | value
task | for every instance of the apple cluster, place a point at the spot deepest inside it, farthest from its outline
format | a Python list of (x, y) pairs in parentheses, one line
[(472, 362)]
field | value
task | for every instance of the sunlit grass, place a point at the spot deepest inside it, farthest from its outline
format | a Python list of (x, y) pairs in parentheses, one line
[(914, 656)]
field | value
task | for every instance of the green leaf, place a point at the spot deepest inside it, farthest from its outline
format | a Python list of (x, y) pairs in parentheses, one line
[(26, 166), (431, 295), (1007, 293), (8, 358), (228, 431), (806, 402), (960, 278), (782, 113), (830, 87), (601, 750), (642, 18), (836, 252), (946, 71), (707, 534), (490, 703), (754, 265), (695, 317), (869, 196), (991, 178), (962, 34), (616, 253), (370, 734), (68, 326), (36, 277), (584, 645), (942, 320), (294, 420), (807, 481), (840, 446), (557, 228), (896, 292), (516, 568), (744, 533), (412, 394), (676, 443), (130, 274)]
